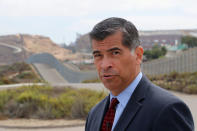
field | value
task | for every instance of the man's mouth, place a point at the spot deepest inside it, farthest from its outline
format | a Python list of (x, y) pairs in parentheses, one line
[(108, 76)]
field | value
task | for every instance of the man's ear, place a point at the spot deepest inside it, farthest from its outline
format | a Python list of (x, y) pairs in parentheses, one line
[(139, 54)]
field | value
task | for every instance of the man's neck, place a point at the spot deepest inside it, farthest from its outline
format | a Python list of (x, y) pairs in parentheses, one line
[(119, 90)]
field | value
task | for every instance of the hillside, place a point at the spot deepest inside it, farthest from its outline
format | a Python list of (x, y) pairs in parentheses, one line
[(39, 44), (16, 48)]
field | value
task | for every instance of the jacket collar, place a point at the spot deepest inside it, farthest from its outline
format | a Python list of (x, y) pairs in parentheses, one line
[(103, 107), (134, 105)]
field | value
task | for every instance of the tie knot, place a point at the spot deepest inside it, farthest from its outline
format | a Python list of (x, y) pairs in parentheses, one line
[(114, 102)]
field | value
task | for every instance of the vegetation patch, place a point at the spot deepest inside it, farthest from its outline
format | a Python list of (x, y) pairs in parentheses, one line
[(190, 41), (45, 102), (155, 53), (182, 82), (18, 73), (92, 81)]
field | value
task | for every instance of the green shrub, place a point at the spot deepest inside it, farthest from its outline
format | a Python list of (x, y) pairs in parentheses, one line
[(45, 102), (191, 89), (26, 75), (4, 97), (182, 82), (5, 80), (17, 73)]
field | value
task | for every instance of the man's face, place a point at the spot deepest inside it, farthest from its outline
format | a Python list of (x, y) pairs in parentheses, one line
[(116, 65)]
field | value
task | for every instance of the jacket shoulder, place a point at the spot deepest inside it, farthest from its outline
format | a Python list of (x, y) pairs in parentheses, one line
[(97, 107), (95, 115), (170, 112)]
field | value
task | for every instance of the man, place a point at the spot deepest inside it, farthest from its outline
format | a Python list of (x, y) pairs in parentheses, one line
[(134, 103)]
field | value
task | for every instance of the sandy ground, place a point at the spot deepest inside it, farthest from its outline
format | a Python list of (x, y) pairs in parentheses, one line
[(34, 123), (80, 128), (41, 125)]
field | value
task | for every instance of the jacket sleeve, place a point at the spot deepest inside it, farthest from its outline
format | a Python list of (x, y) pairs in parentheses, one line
[(174, 117)]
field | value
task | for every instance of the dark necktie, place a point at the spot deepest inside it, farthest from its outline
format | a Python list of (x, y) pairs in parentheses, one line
[(109, 116)]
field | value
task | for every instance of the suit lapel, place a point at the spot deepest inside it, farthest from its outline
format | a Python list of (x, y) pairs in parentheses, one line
[(100, 115), (133, 106)]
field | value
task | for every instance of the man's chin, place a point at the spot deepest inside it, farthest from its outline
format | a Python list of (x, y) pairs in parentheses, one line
[(110, 85)]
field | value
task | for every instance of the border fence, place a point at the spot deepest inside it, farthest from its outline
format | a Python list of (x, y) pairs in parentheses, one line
[(68, 74), (184, 62)]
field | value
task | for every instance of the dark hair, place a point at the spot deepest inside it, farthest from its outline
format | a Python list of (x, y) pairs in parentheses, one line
[(111, 25)]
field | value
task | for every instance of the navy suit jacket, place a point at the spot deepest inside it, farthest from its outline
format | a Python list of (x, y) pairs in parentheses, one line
[(150, 108)]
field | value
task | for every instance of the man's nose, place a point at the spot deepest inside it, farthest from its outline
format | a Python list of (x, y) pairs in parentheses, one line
[(106, 63)]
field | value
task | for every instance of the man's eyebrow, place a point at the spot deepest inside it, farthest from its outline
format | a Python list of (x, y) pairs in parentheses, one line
[(113, 49), (96, 51), (109, 50)]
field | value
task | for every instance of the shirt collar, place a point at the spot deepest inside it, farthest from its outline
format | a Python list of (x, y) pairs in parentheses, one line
[(125, 95)]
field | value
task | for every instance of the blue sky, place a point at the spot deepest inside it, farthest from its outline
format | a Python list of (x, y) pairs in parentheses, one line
[(61, 20)]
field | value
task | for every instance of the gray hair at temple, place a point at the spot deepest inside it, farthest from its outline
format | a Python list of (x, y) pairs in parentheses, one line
[(111, 25)]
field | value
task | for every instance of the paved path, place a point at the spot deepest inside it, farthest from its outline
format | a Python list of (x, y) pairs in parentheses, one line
[(92, 86), (81, 128), (11, 86), (17, 49)]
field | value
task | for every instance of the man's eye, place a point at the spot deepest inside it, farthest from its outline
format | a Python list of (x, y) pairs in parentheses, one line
[(97, 55), (115, 52)]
